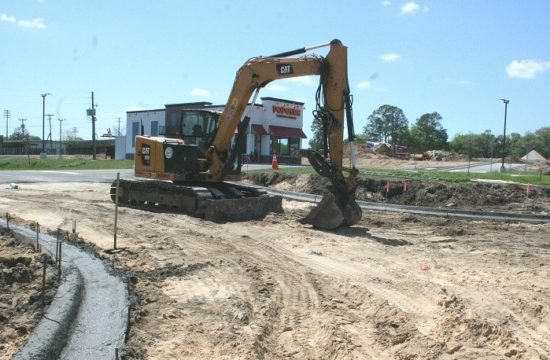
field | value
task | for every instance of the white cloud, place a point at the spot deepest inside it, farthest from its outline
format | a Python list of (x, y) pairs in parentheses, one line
[(526, 69), (364, 85), (200, 92), (386, 3), (32, 24), (7, 18), (29, 24), (275, 87), (391, 57), (410, 8)]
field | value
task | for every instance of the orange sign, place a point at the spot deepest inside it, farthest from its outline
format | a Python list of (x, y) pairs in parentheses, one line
[(286, 111)]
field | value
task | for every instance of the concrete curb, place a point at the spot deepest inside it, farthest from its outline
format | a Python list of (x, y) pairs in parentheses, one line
[(88, 318), (49, 337)]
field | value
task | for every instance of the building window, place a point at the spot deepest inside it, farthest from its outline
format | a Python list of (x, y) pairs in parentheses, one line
[(154, 128), (135, 132), (285, 146)]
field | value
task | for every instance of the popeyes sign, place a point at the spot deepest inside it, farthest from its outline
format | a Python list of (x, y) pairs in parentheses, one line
[(284, 111)]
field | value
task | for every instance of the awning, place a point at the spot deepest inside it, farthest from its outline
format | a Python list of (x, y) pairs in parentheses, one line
[(259, 129), (286, 132)]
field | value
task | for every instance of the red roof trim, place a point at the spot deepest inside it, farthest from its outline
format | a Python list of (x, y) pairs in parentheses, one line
[(286, 132), (259, 129)]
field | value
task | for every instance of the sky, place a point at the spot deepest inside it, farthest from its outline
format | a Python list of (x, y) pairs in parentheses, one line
[(454, 57)]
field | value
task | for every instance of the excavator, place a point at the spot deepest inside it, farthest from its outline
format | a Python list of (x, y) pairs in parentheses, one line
[(195, 168)]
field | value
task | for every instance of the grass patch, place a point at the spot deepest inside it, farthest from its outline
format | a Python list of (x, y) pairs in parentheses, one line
[(430, 175), (454, 177), (23, 163)]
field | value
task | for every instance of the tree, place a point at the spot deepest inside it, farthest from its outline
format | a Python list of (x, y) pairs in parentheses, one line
[(316, 142), (387, 123), (428, 134), (539, 141), (21, 133), (476, 145)]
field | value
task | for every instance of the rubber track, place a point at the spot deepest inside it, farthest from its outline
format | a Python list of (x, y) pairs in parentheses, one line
[(217, 202)]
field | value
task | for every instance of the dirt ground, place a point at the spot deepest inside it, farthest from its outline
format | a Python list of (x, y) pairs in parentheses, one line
[(394, 286), (20, 292)]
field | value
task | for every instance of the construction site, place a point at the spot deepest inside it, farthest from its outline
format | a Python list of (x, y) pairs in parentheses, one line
[(396, 285), (191, 256)]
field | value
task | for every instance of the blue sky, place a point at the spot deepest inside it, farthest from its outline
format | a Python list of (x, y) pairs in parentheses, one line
[(456, 57)]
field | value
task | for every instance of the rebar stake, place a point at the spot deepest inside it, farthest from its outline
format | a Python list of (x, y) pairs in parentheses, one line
[(116, 209), (44, 282)]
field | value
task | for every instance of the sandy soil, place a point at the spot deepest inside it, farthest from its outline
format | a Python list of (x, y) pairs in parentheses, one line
[(395, 286), (20, 292)]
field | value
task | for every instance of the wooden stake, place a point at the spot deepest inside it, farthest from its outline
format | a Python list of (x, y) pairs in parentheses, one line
[(116, 209)]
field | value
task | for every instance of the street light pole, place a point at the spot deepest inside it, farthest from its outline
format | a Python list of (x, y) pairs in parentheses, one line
[(60, 138), (502, 168), (44, 120)]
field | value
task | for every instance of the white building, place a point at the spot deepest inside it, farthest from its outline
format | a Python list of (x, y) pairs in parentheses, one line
[(275, 127)]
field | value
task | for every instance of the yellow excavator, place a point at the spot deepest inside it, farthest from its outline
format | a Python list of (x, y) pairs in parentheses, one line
[(194, 167)]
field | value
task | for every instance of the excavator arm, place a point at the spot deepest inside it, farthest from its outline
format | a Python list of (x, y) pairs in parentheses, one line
[(338, 208)]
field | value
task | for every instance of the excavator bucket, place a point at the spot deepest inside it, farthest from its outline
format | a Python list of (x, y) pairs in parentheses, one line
[(330, 214), (338, 207)]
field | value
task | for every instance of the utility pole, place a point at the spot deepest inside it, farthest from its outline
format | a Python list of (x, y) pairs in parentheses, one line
[(7, 115), (502, 168), (23, 127), (60, 138), (93, 127), (50, 135), (118, 131), (43, 154)]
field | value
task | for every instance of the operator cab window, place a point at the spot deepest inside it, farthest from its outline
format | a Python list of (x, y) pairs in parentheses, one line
[(198, 126)]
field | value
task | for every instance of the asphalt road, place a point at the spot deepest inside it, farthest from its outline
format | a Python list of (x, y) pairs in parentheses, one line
[(484, 167), (31, 176), (107, 176)]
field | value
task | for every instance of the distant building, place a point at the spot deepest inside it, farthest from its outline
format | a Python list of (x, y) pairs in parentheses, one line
[(275, 127)]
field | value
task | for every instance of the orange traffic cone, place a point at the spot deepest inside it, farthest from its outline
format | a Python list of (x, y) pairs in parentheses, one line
[(274, 163)]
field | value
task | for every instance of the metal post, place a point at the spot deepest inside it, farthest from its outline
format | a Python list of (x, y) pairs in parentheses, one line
[(116, 207), (57, 246), (44, 282), (8, 221), (502, 168), (37, 232), (59, 261)]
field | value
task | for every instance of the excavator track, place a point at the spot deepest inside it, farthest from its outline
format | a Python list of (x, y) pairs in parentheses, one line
[(219, 201)]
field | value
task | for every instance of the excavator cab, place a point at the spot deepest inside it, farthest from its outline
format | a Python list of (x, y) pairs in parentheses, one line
[(195, 127)]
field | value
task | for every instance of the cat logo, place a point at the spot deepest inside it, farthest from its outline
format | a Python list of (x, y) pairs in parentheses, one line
[(285, 69)]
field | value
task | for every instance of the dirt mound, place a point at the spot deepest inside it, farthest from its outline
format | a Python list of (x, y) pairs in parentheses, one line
[(20, 292), (473, 195)]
